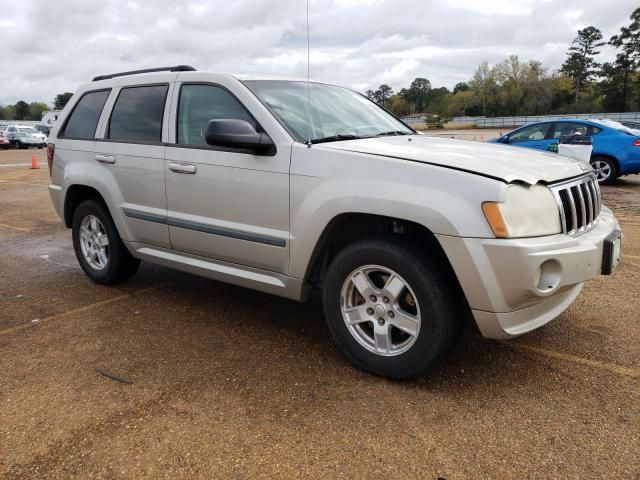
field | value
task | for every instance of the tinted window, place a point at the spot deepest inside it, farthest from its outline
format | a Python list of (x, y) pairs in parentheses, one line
[(85, 115), (530, 133), (201, 103), (569, 128), (137, 114)]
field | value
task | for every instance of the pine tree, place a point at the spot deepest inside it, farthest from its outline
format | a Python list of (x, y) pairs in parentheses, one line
[(628, 61), (580, 64)]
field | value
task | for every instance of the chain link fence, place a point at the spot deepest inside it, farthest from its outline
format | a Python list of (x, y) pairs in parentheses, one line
[(511, 122)]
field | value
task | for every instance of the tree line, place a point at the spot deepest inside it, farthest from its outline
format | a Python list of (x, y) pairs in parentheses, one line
[(22, 110), (525, 87)]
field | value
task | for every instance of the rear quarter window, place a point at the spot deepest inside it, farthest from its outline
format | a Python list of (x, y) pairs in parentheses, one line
[(137, 114), (83, 121)]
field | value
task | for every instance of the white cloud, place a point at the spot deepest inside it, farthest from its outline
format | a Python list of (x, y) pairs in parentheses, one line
[(53, 46)]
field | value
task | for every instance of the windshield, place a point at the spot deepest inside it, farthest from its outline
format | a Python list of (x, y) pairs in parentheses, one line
[(27, 130), (336, 113)]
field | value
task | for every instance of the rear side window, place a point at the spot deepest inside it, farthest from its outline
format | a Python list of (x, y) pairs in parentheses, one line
[(137, 114), (201, 103), (84, 118), (561, 129)]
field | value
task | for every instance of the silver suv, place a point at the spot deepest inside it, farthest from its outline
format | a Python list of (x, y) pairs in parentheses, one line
[(284, 186)]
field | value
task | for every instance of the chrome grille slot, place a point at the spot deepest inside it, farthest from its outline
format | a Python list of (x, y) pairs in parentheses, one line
[(578, 203)]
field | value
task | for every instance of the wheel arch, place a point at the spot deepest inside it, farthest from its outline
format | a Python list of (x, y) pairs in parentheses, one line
[(347, 228), (609, 156), (75, 195)]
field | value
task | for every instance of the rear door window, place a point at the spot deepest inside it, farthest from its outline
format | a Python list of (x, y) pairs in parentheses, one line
[(137, 114), (83, 120), (561, 129)]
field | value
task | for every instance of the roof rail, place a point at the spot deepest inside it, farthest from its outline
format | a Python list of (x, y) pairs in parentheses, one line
[(177, 68)]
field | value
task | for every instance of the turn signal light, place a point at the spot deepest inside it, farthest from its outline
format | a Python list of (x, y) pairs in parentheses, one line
[(492, 212), (636, 143)]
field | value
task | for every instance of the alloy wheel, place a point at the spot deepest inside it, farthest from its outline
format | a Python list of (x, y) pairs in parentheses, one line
[(94, 242), (602, 170), (380, 310)]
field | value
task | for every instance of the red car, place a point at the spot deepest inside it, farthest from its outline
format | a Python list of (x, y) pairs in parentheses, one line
[(4, 143)]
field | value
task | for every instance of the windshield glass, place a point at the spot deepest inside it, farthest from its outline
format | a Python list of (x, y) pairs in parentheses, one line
[(336, 113), (27, 130)]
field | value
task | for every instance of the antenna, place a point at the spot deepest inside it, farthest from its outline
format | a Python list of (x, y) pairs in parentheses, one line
[(308, 84)]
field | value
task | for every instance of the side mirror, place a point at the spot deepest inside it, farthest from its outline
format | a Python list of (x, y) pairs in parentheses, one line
[(232, 133), (504, 139)]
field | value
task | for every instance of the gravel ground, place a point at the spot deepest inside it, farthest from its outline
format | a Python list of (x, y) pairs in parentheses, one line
[(232, 383)]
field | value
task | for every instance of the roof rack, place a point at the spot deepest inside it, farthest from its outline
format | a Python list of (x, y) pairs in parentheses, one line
[(177, 68)]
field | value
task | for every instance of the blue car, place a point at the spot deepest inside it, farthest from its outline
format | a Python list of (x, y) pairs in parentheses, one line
[(616, 150)]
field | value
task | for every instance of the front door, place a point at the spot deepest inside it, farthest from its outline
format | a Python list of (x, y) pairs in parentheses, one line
[(224, 204)]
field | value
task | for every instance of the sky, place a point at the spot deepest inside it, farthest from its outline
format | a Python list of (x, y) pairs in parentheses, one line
[(53, 46)]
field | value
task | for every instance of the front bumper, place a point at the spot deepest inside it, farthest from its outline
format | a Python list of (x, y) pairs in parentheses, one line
[(514, 286)]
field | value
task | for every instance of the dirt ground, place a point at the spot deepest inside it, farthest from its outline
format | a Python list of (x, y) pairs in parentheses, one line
[(231, 383)]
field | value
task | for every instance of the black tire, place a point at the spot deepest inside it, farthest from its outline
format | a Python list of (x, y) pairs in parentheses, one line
[(441, 311), (611, 165), (121, 264)]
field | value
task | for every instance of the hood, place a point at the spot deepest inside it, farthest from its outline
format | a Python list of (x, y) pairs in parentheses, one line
[(504, 162)]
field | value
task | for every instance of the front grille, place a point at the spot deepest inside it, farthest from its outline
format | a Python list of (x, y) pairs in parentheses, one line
[(579, 204)]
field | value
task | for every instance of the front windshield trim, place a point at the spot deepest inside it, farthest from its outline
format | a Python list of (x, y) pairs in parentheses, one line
[(300, 139)]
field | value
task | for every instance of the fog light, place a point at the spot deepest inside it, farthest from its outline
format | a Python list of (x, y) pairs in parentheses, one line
[(548, 276)]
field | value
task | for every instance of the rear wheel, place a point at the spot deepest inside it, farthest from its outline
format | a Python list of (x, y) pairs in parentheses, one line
[(98, 247), (388, 308), (605, 169)]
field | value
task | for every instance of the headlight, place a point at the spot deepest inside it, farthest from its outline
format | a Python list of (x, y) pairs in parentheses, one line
[(525, 212)]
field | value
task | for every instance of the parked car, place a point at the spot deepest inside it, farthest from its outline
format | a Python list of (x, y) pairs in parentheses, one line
[(616, 148), (244, 181), (23, 136), (45, 130), (26, 140), (4, 143), (33, 132)]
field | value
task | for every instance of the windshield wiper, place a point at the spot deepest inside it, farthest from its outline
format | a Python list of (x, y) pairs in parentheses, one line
[(394, 132), (337, 138)]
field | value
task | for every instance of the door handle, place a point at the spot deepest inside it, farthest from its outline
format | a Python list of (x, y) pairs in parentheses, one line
[(105, 158), (182, 168)]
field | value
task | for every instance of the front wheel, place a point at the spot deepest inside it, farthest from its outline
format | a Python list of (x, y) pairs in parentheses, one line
[(389, 309), (98, 247), (605, 169)]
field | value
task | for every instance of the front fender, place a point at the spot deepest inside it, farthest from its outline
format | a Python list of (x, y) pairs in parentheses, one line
[(445, 201)]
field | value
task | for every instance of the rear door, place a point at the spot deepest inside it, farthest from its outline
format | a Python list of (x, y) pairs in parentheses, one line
[(131, 149), (226, 204), (532, 136)]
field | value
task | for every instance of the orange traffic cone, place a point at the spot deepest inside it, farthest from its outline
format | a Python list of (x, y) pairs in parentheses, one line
[(34, 163)]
